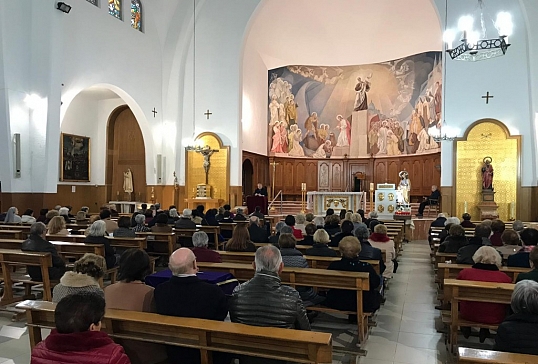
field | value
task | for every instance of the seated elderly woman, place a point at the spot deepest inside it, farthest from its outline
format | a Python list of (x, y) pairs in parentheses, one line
[(533, 274), (140, 224), (518, 226), (332, 225), (356, 219), (291, 257), (200, 241), (273, 239), (511, 243), (321, 247), (300, 221), (529, 239), (339, 299), (124, 228), (12, 216), (346, 228), (454, 241), (56, 226), (518, 332), (486, 269), (84, 277), (497, 228), (368, 252), (64, 213), (97, 235), (448, 223), (380, 240)]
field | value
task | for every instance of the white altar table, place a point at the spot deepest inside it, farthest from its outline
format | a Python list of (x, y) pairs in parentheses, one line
[(319, 202), (126, 207)]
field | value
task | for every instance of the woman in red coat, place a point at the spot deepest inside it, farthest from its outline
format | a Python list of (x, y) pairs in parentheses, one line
[(486, 269), (77, 337)]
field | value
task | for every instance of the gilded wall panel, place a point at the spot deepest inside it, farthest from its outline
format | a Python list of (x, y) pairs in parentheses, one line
[(487, 139)]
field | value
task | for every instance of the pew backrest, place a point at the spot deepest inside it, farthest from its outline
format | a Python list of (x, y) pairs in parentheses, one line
[(478, 356)]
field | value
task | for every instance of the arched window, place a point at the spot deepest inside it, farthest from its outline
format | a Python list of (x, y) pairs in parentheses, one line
[(114, 8), (136, 14), (94, 2)]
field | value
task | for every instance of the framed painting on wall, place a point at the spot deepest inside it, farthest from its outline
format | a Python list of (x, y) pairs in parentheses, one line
[(75, 158)]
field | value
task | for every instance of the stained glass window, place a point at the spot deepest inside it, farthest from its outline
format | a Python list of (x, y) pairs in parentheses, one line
[(114, 8), (94, 2), (136, 14)]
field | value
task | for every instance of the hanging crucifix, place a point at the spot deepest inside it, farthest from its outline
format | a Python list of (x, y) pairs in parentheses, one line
[(154, 112), (207, 152), (208, 114)]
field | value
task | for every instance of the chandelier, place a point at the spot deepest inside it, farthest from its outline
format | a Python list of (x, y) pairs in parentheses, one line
[(475, 44)]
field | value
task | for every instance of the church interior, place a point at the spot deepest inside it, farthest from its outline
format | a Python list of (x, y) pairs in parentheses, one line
[(404, 112)]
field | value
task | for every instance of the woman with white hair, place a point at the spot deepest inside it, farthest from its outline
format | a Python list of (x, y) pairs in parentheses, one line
[(140, 221), (518, 332), (486, 269), (64, 212), (97, 235), (300, 221), (448, 224), (12, 216)]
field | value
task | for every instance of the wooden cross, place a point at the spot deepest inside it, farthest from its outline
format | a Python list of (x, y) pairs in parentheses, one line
[(487, 97), (207, 114), (154, 112)]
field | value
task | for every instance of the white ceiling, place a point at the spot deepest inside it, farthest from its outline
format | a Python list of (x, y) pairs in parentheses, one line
[(342, 32)]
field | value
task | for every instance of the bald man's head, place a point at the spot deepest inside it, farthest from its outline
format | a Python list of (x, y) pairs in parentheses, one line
[(183, 261)]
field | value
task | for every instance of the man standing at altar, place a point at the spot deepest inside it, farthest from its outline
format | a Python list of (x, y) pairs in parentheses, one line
[(261, 190), (435, 195)]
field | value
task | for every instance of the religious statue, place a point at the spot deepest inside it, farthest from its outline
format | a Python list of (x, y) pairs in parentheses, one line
[(487, 174), (361, 99), (128, 181), (207, 152), (404, 186)]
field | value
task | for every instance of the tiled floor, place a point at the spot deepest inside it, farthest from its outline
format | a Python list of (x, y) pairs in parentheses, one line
[(405, 333)]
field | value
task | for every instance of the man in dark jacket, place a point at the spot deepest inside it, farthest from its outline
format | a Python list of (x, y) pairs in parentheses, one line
[(454, 241), (347, 230), (439, 222), (37, 243), (517, 333), (185, 295), (257, 233), (480, 238), (263, 300), (435, 196), (368, 252), (321, 247), (185, 221)]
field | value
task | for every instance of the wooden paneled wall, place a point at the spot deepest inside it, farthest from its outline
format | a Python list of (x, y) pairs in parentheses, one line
[(337, 174), (260, 172)]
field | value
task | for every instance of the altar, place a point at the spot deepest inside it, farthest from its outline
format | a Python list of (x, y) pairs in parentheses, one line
[(319, 202), (127, 207)]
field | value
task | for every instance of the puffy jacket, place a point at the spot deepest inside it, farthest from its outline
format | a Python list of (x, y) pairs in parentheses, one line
[(465, 254), (517, 334), (88, 347), (36, 243), (452, 244), (264, 301)]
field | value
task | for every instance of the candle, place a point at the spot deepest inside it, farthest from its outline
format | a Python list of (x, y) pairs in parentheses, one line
[(303, 186), (371, 186), (512, 210), (465, 207)]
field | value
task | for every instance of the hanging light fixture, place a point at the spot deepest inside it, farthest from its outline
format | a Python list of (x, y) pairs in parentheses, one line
[(475, 44), (437, 134)]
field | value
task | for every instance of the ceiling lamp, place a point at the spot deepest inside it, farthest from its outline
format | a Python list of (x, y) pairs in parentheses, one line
[(475, 44)]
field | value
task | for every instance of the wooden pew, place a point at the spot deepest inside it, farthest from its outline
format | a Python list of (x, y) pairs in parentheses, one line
[(12, 259), (476, 356), (127, 243), (460, 290), (443, 257), (314, 262), (309, 277), (183, 234), (160, 238), (205, 335), (11, 234), (451, 271), (71, 238)]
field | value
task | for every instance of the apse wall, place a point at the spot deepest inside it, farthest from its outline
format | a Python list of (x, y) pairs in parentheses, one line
[(307, 32)]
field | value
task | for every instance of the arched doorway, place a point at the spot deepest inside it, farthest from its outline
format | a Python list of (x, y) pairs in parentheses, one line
[(248, 175), (125, 150)]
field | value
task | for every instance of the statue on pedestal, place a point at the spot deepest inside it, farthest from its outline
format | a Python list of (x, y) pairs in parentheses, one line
[(487, 174), (128, 182), (405, 185)]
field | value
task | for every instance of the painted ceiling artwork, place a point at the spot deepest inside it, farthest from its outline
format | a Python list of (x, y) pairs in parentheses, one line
[(383, 109)]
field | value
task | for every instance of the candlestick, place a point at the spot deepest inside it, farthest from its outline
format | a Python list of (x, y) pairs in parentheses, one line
[(465, 207), (371, 186)]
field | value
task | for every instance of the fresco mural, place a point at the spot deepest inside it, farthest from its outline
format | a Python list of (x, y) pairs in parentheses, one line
[(385, 109)]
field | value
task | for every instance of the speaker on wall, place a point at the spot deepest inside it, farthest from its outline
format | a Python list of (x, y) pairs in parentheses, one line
[(17, 147), (159, 168)]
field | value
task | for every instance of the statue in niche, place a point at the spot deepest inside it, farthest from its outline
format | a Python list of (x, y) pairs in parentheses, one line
[(487, 174), (128, 181)]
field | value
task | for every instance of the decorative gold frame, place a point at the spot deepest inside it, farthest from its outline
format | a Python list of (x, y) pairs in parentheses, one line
[(62, 156)]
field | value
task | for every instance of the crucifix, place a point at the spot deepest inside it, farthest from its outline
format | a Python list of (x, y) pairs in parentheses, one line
[(487, 97), (207, 152), (154, 112), (208, 114)]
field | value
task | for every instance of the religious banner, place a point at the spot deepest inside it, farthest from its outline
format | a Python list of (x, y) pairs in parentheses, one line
[(75, 158), (383, 109)]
